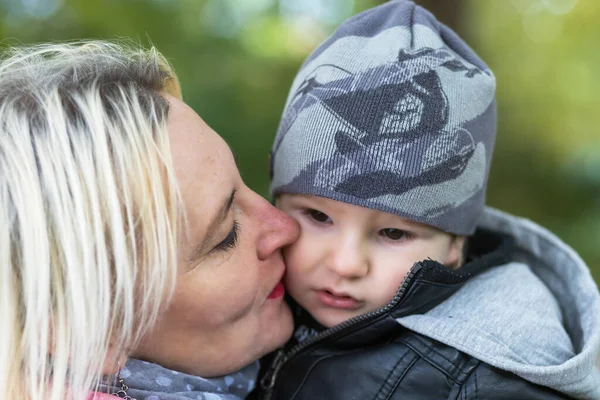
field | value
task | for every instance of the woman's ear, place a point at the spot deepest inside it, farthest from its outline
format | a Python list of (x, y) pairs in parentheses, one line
[(455, 256), (115, 360)]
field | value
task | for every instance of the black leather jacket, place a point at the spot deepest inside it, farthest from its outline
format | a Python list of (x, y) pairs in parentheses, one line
[(373, 357)]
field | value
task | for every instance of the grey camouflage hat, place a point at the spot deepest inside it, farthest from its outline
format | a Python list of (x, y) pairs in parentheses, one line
[(393, 112)]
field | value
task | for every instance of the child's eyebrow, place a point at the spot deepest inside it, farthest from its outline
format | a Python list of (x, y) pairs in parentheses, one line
[(305, 196), (294, 196)]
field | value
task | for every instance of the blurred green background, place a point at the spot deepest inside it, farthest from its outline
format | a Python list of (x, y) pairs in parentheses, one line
[(236, 60)]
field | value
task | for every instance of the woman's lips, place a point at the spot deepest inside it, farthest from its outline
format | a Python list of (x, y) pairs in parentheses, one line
[(277, 292), (334, 301)]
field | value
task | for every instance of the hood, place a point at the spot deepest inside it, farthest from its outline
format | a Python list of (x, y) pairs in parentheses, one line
[(537, 315)]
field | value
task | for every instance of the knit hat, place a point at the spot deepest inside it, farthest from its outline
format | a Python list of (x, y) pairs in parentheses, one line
[(393, 112)]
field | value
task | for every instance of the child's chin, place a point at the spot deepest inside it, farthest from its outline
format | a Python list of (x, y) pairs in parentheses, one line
[(331, 319)]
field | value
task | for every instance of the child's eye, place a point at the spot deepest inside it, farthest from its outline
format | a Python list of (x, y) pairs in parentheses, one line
[(394, 234), (317, 215)]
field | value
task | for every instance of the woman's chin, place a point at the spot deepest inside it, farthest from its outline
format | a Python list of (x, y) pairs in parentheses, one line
[(286, 326), (278, 328), (273, 332)]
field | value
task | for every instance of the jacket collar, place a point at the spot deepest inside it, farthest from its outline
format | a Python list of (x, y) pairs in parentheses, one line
[(431, 282)]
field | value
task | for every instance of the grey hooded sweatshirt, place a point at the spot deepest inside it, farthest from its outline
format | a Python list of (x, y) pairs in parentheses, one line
[(547, 329)]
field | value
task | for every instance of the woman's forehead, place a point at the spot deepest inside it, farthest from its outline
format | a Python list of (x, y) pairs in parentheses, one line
[(197, 151)]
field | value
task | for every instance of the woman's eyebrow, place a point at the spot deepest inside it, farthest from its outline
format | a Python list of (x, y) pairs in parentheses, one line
[(212, 227)]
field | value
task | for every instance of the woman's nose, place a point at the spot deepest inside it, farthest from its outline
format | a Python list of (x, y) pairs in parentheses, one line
[(277, 230), (346, 258)]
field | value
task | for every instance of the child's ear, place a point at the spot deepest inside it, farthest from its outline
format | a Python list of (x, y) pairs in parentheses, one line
[(454, 258)]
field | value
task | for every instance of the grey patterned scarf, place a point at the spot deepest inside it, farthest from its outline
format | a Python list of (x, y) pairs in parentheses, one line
[(149, 381)]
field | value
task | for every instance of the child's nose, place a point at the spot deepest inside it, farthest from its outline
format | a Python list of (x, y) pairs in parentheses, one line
[(348, 260)]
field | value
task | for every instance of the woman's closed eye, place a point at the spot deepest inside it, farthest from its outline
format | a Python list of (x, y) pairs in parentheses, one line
[(395, 235), (230, 240), (317, 216)]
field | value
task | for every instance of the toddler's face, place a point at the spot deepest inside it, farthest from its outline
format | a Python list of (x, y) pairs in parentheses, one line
[(350, 260)]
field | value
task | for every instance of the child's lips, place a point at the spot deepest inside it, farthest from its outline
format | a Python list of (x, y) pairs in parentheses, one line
[(340, 301)]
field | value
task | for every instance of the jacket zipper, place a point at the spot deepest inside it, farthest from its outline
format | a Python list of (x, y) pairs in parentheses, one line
[(267, 382)]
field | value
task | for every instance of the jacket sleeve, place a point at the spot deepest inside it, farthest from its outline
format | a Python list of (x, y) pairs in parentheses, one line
[(487, 382)]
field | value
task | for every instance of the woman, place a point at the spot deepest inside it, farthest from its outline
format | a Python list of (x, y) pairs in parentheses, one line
[(125, 229)]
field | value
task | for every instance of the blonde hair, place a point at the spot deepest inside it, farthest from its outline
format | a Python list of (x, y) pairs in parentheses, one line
[(89, 209)]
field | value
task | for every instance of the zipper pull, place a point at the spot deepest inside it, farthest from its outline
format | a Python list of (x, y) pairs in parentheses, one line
[(268, 380)]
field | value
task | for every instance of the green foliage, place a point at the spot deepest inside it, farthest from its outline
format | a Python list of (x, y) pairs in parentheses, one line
[(547, 163), (236, 60)]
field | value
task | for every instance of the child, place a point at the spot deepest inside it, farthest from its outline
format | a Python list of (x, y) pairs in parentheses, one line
[(405, 285)]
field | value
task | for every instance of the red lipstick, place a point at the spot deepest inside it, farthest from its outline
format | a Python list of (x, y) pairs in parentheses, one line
[(277, 292)]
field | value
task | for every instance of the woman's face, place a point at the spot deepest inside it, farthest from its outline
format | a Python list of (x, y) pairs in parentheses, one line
[(228, 308)]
